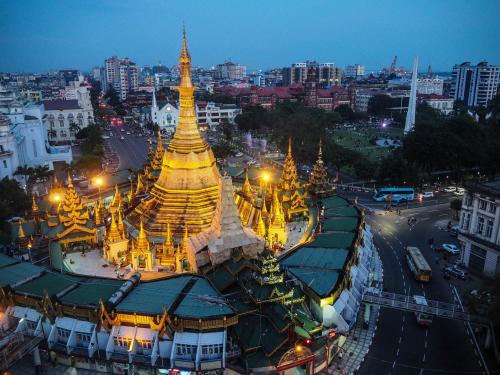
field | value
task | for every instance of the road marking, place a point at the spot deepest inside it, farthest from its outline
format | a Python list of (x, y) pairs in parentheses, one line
[(397, 353), (421, 371), (394, 364), (400, 339), (423, 359), (425, 345), (426, 332)]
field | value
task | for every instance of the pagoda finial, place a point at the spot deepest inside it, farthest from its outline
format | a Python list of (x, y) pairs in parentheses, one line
[(34, 205), (20, 232), (142, 233), (185, 240), (247, 188), (140, 187), (320, 152), (113, 233), (290, 146), (70, 181)]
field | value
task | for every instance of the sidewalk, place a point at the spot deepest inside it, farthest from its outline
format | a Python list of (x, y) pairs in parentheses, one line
[(358, 342)]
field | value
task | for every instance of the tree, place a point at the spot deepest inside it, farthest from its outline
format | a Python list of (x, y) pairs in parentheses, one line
[(13, 201), (378, 104), (26, 172), (41, 173), (345, 112), (252, 118), (456, 206), (74, 128), (227, 130), (222, 150), (112, 97)]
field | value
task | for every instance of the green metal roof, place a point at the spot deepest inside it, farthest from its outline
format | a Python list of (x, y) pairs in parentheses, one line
[(91, 292), (15, 273), (53, 283), (321, 281), (335, 201), (6, 260), (202, 301), (341, 224), (335, 240), (150, 297), (221, 278), (317, 257), (342, 211)]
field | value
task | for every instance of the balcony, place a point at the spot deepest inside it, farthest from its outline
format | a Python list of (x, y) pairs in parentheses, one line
[(5, 153)]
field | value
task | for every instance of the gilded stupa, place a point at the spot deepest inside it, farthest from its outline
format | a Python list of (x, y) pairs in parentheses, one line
[(188, 187)]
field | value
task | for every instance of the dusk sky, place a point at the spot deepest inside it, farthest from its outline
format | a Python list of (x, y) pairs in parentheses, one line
[(54, 34)]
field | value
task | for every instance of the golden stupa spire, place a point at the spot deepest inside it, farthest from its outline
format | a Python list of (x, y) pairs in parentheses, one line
[(117, 198), (131, 193), (277, 214), (97, 213), (290, 146), (188, 186), (247, 188), (178, 260), (113, 234), (260, 227), (140, 186), (34, 206), (142, 240), (20, 232)]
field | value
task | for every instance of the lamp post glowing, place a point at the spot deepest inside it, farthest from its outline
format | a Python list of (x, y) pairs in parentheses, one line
[(55, 198), (98, 181), (265, 177)]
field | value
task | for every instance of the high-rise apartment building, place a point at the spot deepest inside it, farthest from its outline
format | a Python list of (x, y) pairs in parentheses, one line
[(230, 70), (475, 85), (121, 74), (353, 71), (326, 73)]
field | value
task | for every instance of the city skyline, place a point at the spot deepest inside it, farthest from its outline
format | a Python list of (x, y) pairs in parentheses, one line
[(147, 34)]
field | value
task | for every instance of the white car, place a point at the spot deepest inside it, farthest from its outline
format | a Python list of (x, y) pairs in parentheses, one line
[(459, 191), (239, 154), (450, 189), (451, 249), (427, 194)]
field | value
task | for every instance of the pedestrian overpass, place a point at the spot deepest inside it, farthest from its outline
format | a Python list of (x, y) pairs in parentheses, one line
[(406, 302)]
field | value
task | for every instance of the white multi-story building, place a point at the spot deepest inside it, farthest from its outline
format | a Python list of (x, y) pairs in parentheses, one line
[(23, 137), (209, 114), (442, 103), (475, 85), (430, 86), (121, 74), (65, 118), (479, 227), (354, 71), (230, 71)]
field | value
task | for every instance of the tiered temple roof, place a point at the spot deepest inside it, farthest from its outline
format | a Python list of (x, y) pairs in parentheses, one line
[(318, 182)]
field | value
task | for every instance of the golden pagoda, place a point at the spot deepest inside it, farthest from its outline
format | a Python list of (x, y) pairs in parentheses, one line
[(131, 192), (318, 182), (156, 161), (113, 234), (247, 188), (117, 199), (140, 186), (276, 226), (186, 191), (73, 223), (141, 255), (21, 239), (288, 182)]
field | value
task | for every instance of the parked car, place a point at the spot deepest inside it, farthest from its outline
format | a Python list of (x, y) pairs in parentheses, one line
[(427, 194), (454, 230), (450, 189), (450, 248), (456, 271)]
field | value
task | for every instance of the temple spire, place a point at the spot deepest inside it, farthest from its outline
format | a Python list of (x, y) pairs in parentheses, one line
[(247, 188), (34, 206), (290, 146), (153, 104), (113, 232), (20, 232)]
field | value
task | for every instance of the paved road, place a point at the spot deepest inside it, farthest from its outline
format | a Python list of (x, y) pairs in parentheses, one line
[(132, 151), (400, 345)]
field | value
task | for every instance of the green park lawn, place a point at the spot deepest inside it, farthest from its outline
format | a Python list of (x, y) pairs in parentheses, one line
[(359, 140)]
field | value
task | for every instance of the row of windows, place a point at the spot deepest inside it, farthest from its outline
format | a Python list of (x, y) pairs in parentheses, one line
[(61, 123), (483, 205), (186, 350), (482, 229), (212, 349)]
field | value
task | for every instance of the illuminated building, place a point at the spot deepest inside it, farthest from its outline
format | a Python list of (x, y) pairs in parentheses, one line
[(186, 191), (318, 182)]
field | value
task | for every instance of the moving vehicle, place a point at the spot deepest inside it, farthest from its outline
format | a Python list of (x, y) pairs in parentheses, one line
[(423, 319), (239, 154), (450, 248), (418, 264), (450, 189), (427, 194), (460, 191), (394, 194), (122, 138), (455, 271)]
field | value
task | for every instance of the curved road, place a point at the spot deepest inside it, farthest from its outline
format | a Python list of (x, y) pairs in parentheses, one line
[(400, 345)]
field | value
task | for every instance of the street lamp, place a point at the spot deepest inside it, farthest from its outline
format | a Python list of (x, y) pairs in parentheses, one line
[(55, 198)]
